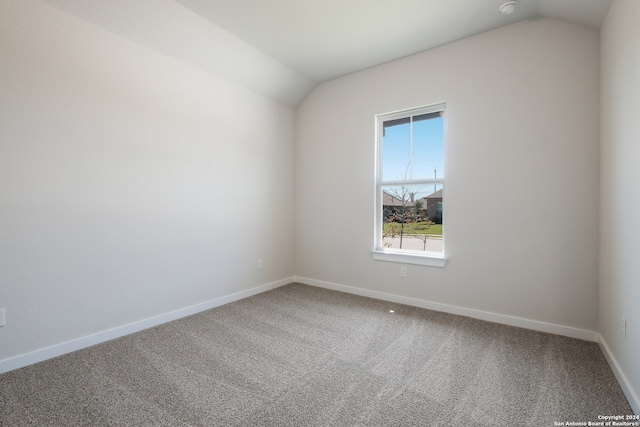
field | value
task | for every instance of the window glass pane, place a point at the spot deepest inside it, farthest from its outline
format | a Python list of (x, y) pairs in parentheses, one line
[(413, 147), (411, 150), (396, 149), (428, 147), (412, 217)]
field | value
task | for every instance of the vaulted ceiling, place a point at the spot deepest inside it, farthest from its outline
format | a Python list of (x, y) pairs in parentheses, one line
[(282, 48), (325, 39)]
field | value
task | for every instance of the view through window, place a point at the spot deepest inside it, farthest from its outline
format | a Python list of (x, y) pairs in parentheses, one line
[(410, 181)]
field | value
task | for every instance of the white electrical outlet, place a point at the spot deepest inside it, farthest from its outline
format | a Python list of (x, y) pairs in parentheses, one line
[(1, 316), (403, 272), (624, 327), (259, 264)]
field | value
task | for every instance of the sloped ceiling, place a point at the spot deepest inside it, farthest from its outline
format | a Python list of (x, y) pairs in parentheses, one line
[(282, 48)]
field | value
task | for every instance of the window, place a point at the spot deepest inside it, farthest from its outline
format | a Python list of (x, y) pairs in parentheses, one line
[(410, 186)]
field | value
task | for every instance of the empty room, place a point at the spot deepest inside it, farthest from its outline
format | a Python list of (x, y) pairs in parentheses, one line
[(319, 213)]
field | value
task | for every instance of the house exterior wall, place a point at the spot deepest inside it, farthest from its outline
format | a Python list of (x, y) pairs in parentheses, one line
[(433, 213)]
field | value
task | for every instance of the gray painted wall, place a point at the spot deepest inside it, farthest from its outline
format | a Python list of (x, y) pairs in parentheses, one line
[(620, 191), (132, 185), (521, 131)]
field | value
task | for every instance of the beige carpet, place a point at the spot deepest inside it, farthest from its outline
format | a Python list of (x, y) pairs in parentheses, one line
[(305, 356)]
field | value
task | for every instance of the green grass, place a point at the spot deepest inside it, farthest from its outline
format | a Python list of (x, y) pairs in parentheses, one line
[(414, 228)]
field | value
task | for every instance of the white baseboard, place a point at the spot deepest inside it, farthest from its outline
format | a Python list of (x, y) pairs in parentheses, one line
[(535, 325), (40, 355), (627, 389)]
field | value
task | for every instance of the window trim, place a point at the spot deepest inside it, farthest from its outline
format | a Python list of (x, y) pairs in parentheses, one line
[(431, 259), (405, 256)]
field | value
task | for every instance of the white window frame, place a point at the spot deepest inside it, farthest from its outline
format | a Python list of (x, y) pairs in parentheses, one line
[(404, 256)]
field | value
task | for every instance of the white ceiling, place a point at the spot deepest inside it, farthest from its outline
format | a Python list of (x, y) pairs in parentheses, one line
[(325, 39), (282, 48)]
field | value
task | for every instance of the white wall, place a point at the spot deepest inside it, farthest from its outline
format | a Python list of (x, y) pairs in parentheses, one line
[(132, 184), (620, 191), (521, 207), (172, 29)]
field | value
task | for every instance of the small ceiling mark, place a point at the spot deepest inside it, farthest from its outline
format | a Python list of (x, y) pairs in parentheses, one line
[(508, 7)]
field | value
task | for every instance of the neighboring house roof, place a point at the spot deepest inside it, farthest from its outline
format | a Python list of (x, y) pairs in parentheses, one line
[(433, 196), (391, 200), (436, 195)]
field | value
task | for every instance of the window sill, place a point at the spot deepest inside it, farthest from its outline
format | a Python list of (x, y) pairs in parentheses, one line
[(430, 259)]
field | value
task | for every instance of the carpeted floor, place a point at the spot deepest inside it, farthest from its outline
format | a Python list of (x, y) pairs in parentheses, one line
[(305, 356)]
